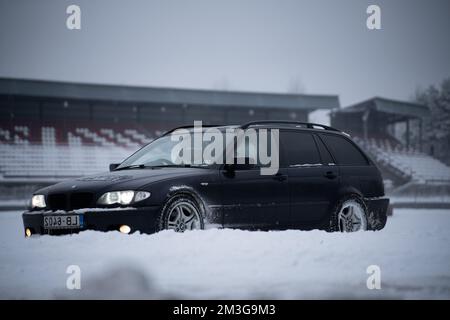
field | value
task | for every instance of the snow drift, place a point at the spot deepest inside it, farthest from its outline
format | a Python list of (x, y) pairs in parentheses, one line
[(412, 253)]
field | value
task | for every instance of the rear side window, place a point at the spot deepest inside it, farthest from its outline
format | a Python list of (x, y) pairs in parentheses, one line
[(299, 148), (324, 154), (344, 151)]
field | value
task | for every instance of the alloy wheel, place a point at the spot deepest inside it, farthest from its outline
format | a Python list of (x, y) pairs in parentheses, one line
[(352, 217), (183, 216)]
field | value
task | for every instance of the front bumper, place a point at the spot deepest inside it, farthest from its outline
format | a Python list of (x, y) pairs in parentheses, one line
[(377, 209), (143, 219)]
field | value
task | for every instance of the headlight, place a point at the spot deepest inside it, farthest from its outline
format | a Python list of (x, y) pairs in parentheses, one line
[(141, 195), (123, 197), (38, 201)]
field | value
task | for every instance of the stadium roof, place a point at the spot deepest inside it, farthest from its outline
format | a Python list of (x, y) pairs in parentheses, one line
[(395, 107), (65, 90)]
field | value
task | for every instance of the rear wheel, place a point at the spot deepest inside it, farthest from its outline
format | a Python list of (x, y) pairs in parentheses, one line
[(349, 215), (181, 213)]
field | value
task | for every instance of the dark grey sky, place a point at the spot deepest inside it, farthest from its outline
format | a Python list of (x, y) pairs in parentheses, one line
[(256, 45)]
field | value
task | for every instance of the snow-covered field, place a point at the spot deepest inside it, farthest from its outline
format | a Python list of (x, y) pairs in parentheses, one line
[(413, 253)]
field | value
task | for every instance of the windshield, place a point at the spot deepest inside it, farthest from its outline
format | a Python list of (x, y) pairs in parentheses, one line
[(165, 152)]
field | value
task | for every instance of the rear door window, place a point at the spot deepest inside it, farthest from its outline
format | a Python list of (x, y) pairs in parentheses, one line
[(344, 151), (299, 149)]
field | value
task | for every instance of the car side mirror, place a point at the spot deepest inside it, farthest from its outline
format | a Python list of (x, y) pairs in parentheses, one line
[(113, 166)]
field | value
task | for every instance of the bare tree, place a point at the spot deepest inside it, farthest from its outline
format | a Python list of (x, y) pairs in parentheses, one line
[(296, 85), (437, 128)]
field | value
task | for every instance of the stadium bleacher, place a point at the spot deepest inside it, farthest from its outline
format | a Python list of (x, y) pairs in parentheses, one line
[(412, 164), (35, 161), (52, 151), (76, 133)]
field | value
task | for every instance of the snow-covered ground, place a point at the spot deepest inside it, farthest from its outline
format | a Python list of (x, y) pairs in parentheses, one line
[(413, 253)]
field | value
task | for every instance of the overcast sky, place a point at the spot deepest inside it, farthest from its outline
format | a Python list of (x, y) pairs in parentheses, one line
[(312, 46)]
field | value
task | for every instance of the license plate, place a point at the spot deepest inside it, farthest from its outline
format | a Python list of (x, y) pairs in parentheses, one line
[(63, 221)]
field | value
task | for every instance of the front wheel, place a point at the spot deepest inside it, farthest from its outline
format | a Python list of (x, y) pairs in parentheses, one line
[(181, 213), (349, 215)]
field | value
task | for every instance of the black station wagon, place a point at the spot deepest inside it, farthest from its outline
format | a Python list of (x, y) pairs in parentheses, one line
[(324, 181)]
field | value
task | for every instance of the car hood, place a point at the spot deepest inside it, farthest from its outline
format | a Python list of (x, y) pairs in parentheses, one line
[(132, 179)]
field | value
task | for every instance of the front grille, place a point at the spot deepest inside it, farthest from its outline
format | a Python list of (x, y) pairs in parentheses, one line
[(57, 201), (81, 200), (62, 201)]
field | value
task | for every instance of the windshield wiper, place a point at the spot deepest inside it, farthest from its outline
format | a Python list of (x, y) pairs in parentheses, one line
[(181, 166), (134, 166), (172, 165), (143, 166)]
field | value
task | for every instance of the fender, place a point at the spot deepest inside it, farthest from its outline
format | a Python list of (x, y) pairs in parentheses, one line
[(347, 190)]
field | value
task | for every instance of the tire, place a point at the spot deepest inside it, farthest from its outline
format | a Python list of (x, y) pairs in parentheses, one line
[(180, 213), (349, 215)]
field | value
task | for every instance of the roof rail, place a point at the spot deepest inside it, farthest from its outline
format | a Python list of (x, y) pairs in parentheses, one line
[(308, 125), (191, 126)]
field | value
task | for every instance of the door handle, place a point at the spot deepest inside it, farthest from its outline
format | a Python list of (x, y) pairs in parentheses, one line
[(330, 175), (280, 177)]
